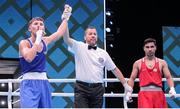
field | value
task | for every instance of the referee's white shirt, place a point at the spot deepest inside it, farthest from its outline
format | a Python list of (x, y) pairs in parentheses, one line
[(89, 64)]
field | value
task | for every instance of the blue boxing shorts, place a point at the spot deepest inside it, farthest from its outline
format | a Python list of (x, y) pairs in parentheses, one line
[(35, 93)]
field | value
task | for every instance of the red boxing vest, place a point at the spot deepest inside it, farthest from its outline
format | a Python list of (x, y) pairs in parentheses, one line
[(149, 76)]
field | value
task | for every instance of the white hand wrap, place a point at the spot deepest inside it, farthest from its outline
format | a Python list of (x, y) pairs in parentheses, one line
[(127, 88), (67, 12), (172, 92), (128, 97), (128, 92), (39, 35)]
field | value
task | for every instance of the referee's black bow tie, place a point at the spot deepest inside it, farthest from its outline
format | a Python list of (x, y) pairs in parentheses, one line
[(92, 47)]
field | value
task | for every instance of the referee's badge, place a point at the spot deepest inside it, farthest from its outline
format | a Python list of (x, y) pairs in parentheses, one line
[(101, 60), (154, 70)]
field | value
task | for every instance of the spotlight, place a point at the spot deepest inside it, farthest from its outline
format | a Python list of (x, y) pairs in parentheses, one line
[(3, 85), (2, 102), (111, 45), (111, 22), (108, 13), (108, 29)]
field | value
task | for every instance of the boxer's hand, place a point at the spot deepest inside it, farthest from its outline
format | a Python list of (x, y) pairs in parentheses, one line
[(128, 97), (67, 12), (128, 92), (39, 35), (127, 88), (172, 92)]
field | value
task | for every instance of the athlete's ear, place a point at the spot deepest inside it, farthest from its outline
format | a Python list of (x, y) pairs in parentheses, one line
[(29, 28), (143, 48), (85, 39), (155, 48)]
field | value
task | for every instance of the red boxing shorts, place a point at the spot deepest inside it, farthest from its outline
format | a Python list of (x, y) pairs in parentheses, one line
[(151, 99)]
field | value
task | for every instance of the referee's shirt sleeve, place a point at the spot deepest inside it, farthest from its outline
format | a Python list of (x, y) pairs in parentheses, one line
[(109, 64)]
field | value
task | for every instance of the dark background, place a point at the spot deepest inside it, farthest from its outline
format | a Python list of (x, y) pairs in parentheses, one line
[(135, 21)]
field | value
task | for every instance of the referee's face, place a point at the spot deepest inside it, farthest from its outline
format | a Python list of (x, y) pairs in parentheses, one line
[(91, 36)]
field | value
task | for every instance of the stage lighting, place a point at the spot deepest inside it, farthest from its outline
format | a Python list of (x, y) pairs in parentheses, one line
[(2, 103), (111, 45), (108, 29), (111, 22), (3, 85), (108, 13)]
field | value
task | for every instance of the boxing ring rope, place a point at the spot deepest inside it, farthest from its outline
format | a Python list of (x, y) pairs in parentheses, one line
[(11, 81), (73, 80)]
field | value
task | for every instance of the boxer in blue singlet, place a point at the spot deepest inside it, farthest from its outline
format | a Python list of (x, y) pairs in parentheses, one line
[(34, 88)]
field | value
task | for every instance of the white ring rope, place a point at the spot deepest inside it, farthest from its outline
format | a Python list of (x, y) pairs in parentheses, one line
[(10, 93), (72, 94), (73, 80)]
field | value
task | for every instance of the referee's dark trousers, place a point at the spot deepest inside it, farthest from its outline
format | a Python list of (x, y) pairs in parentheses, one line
[(88, 95)]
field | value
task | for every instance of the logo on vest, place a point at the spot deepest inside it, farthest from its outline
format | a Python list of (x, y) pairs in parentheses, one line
[(154, 70)]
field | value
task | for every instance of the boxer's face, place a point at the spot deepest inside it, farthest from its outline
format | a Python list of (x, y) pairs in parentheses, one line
[(36, 25), (150, 49)]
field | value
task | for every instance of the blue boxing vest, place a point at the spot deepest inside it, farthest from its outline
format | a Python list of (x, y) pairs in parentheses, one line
[(37, 65)]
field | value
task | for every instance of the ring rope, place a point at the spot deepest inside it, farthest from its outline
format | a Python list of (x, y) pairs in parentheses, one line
[(72, 94), (10, 93), (73, 80)]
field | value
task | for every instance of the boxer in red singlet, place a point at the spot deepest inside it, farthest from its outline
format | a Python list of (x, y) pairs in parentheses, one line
[(150, 70)]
